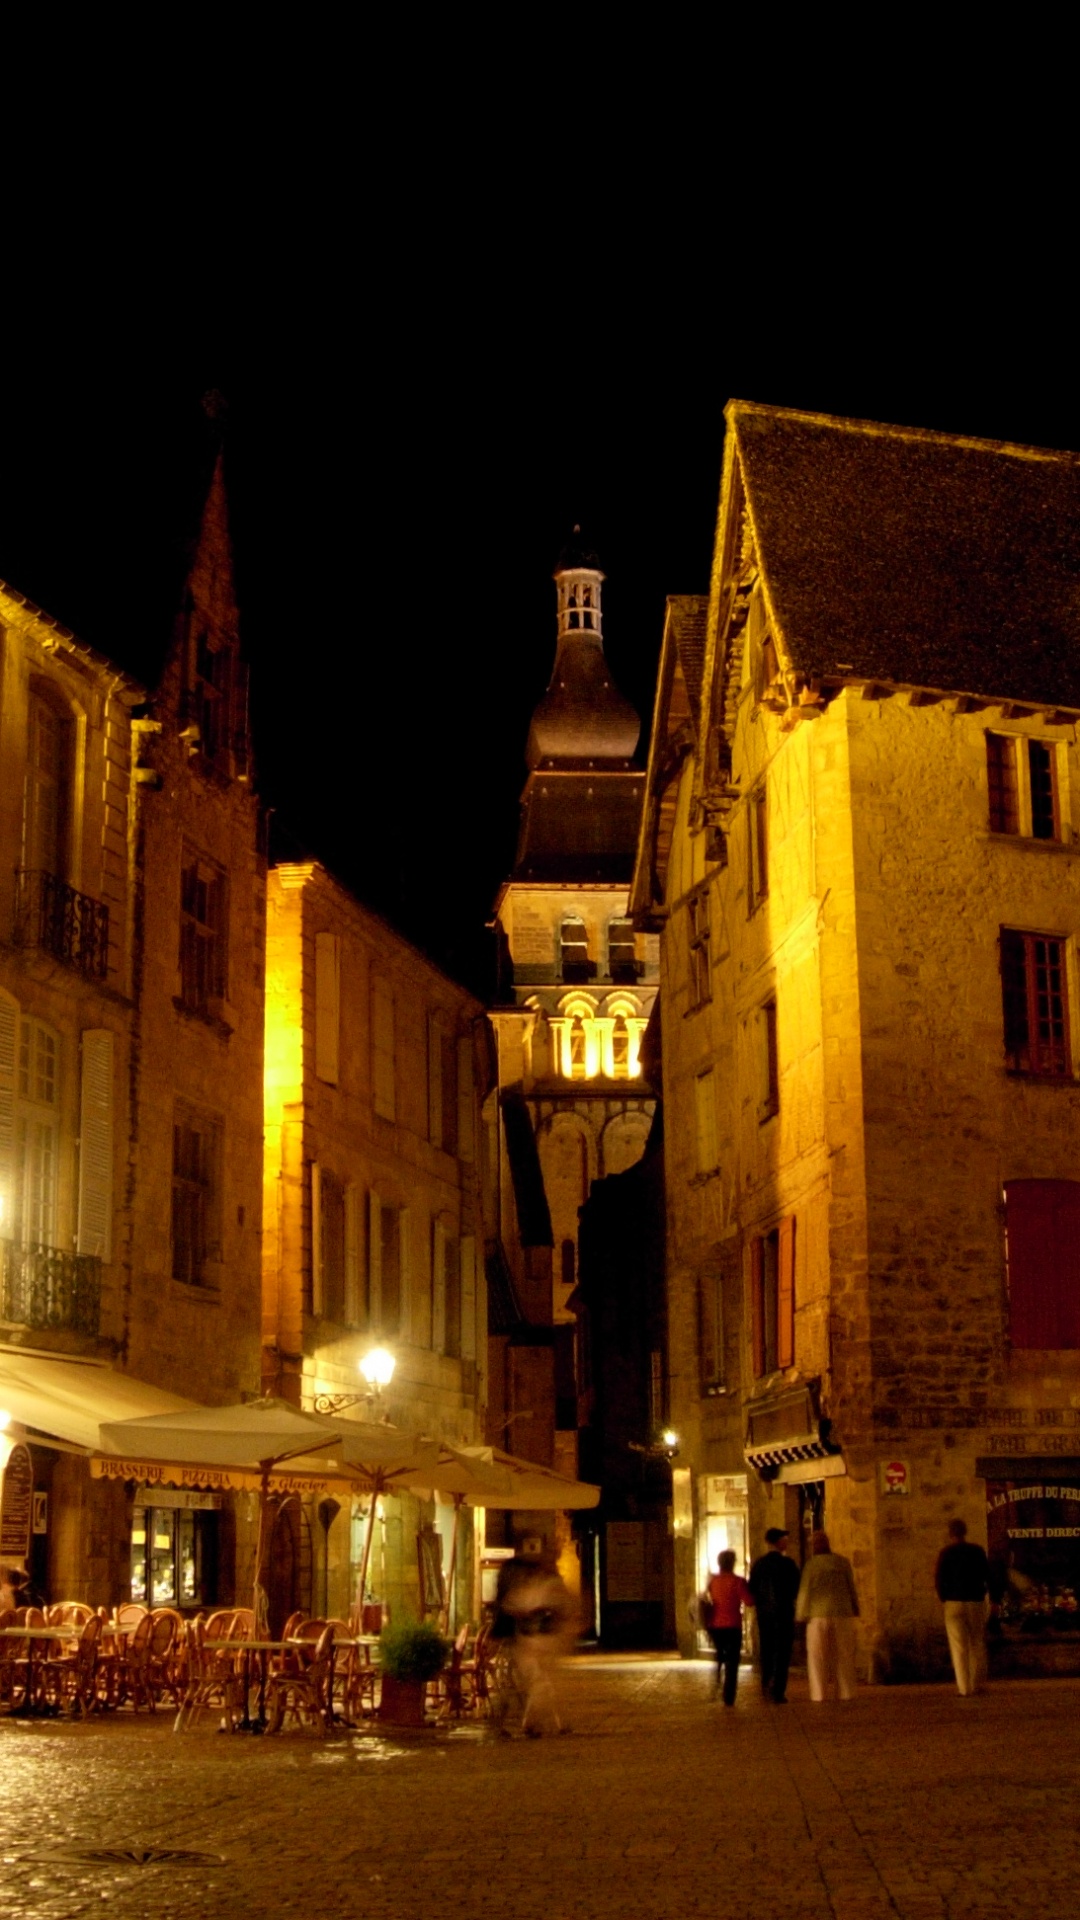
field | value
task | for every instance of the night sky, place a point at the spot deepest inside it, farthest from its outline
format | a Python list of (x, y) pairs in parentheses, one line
[(433, 371)]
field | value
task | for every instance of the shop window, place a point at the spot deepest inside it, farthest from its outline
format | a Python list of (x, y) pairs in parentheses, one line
[(173, 1556), (202, 932), (1035, 1003), (1042, 1253), (772, 1298), (697, 932)]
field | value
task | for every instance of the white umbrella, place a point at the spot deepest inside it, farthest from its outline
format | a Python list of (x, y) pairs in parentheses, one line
[(264, 1435)]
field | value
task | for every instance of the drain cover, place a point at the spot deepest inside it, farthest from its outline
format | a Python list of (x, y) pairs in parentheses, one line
[(128, 1856)]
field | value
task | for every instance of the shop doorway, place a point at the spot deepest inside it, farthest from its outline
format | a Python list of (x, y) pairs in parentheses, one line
[(289, 1586), (723, 1509)]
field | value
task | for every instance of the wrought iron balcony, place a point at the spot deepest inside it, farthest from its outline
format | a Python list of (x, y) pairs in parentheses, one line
[(60, 920), (43, 1287)]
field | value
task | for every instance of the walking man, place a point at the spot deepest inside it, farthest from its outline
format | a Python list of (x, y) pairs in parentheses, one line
[(829, 1604), (774, 1585), (728, 1595), (961, 1578)]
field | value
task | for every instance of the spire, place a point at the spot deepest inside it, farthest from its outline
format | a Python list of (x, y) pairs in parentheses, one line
[(582, 718)]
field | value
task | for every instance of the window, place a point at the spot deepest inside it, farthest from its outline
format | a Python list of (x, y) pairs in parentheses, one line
[(757, 878), (384, 1089), (327, 1007), (768, 1066), (173, 1556), (705, 1121), (697, 928), (94, 1225), (328, 1245), (386, 1264), (1035, 1003), (48, 786), (1022, 786), (452, 1269), (772, 1298), (196, 1189), (35, 1137), (574, 946), (1042, 1254), (202, 932), (622, 960), (711, 1330)]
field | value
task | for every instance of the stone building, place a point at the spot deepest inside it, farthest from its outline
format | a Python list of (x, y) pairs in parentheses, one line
[(375, 1064), (131, 949), (577, 985), (860, 848)]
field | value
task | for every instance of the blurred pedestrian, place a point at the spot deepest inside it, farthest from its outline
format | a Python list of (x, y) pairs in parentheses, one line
[(774, 1585), (827, 1601), (962, 1578), (537, 1614), (12, 1579), (728, 1594)]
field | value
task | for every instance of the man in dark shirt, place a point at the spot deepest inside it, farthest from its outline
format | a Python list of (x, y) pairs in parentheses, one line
[(774, 1583), (961, 1578)]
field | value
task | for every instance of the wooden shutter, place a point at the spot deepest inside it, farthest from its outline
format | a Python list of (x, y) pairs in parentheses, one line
[(757, 1305), (468, 1297), (9, 1037), (785, 1294), (354, 1311), (435, 1085), (317, 1301), (374, 1259), (383, 1091), (438, 1286), (466, 1099), (1042, 1230), (94, 1230), (327, 1006)]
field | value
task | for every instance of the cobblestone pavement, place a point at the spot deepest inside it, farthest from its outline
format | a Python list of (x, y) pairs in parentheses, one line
[(661, 1805)]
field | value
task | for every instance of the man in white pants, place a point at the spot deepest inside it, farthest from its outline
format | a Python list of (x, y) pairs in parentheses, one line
[(961, 1578), (829, 1604)]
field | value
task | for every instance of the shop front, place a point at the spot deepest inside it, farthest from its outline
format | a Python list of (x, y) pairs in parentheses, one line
[(1033, 1543)]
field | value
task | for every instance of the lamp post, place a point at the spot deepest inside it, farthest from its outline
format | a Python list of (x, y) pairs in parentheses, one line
[(377, 1367)]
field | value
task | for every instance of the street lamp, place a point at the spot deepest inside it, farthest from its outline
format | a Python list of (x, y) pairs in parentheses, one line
[(377, 1367)]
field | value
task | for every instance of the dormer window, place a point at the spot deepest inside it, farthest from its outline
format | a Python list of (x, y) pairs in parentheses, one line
[(574, 944)]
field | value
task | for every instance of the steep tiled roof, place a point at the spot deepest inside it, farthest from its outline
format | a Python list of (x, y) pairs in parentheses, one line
[(923, 558)]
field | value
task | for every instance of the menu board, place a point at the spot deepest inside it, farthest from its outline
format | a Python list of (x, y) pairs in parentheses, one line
[(16, 1506)]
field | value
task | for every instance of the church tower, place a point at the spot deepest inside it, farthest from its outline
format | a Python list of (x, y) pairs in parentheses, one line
[(577, 983)]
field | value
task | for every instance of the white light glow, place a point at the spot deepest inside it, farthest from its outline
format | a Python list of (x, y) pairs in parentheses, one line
[(377, 1367), (671, 1438), (5, 1419)]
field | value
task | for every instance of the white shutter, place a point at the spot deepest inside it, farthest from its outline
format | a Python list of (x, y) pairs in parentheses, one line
[(316, 1239), (94, 1232), (438, 1286), (374, 1259), (468, 1297), (466, 1099), (435, 1090), (327, 1006), (382, 1020), (353, 1313), (9, 1037)]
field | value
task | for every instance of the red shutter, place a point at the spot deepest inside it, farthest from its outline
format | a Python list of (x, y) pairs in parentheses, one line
[(757, 1304), (1042, 1227), (785, 1294)]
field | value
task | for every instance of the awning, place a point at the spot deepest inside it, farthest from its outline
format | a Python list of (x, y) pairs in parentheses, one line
[(67, 1400)]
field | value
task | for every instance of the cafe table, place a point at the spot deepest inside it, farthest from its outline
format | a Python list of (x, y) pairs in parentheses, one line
[(30, 1635), (247, 1647)]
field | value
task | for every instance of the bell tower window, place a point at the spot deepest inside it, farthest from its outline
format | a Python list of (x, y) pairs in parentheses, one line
[(574, 946)]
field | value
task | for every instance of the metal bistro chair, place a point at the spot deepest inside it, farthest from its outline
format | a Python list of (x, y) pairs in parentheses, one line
[(303, 1686)]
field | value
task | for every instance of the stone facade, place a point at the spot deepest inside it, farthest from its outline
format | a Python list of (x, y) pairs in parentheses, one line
[(375, 1063), (846, 1099)]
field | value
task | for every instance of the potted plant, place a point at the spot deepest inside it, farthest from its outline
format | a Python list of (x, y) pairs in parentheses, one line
[(411, 1653)]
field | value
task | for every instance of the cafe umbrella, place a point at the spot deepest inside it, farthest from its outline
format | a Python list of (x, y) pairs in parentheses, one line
[(275, 1441), (489, 1477)]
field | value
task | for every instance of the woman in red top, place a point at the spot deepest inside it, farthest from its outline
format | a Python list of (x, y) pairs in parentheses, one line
[(728, 1595)]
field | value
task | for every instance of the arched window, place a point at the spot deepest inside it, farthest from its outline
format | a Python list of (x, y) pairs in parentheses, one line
[(577, 1039)]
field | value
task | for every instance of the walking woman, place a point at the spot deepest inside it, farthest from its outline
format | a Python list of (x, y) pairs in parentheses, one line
[(728, 1595), (829, 1604)]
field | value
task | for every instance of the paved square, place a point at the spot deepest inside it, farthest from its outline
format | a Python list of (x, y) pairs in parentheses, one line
[(661, 1805)]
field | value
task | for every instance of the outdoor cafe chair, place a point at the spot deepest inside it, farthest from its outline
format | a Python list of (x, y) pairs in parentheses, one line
[(304, 1690), (453, 1697), (213, 1675), (63, 1611), (69, 1680), (474, 1674), (7, 1659)]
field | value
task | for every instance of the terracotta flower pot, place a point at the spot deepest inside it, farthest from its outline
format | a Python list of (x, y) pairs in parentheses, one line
[(402, 1702)]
